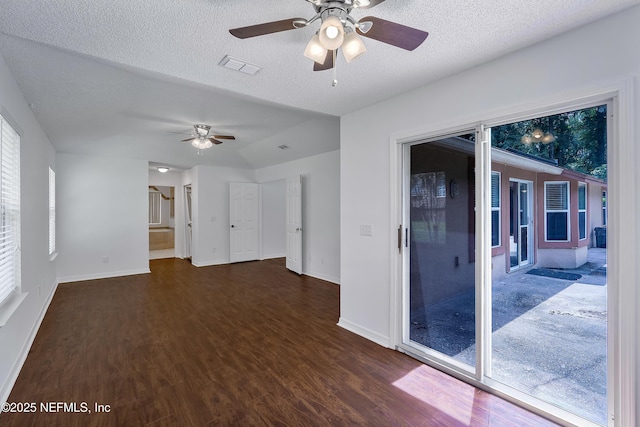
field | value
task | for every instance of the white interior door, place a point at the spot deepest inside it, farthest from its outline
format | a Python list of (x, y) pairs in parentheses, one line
[(243, 215), (294, 224), (188, 226)]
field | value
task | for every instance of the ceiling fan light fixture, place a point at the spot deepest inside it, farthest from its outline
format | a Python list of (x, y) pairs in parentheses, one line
[(331, 33), (315, 51), (162, 169), (537, 134), (548, 138), (201, 143), (352, 46)]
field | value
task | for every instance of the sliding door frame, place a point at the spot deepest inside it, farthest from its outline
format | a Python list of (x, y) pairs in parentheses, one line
[(623, 271)]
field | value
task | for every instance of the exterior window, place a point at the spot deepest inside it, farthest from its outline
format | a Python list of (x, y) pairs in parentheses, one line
[(52, 211), (10, 209), (428, 201), (154, 208), (556, 211), (495, 209), (582, 210)]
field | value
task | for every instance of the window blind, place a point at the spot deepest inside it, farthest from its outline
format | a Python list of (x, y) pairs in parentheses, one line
[(9, 209), (556, 196)]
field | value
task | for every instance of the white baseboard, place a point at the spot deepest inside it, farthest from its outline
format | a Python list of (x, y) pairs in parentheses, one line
[(5, 391), (272, 256), (209, 263), (364, 332), (108, 275), (326, 278)]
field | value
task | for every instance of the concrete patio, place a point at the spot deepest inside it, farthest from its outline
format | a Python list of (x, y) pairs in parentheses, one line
[(549, 334)]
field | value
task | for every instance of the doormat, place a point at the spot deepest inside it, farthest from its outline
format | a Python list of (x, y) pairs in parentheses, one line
[(554, 274)]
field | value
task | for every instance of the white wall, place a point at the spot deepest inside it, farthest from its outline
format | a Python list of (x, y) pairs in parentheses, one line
[(320, 210), (577, 61), (102, 211), (173, 179), (38, 273), (273, 213), (210, 211)]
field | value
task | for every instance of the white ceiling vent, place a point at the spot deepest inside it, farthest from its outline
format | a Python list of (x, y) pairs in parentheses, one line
[(239, 65)]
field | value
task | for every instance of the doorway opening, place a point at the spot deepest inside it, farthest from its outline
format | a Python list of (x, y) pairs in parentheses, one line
[(162, 222)]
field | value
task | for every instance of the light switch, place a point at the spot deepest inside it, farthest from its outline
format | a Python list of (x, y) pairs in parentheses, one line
[(366, 230)]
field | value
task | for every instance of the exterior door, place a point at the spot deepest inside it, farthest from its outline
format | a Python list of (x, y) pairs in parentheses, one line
[(521, 236), (294, 224), (243, 215)]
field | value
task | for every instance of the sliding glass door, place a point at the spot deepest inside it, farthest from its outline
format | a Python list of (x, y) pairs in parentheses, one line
[(505, 263), (441, 288)]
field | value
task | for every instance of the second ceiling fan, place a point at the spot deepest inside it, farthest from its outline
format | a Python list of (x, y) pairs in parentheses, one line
[(339, 30), (201, 138)]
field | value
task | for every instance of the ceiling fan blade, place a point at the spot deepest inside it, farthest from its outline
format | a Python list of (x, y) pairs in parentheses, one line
[(394, 34), (224, 137), (189, 139), (266, 28), (372, 3), (184, 132), (215, 141), (327, 64)]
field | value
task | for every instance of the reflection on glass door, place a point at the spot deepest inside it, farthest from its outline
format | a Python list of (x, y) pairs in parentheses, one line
[(520, 217), (441, 294)]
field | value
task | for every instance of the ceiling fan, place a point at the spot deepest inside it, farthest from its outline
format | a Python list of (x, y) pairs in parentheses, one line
[(339, 30), (201, 139)]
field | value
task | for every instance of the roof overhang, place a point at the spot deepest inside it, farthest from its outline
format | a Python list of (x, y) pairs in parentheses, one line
[(515, 160)]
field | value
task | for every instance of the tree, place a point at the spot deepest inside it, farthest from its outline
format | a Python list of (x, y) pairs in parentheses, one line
[(579, 139)]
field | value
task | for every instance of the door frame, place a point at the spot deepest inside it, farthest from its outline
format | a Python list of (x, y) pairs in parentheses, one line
[(622, 250)]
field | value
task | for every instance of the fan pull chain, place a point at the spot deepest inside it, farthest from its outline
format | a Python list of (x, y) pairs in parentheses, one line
[(334, 83)]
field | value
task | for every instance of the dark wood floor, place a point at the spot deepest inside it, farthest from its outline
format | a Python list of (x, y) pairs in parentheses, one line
[(243, 344)]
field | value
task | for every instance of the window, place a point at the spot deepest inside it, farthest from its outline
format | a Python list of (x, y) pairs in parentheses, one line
[(495, 209), (52, 211), (154, 208), (428, 203), (556, 211), (582, 210), (9, 210)]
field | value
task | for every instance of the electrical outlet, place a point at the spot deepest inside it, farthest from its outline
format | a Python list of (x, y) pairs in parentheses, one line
[(105, 260)]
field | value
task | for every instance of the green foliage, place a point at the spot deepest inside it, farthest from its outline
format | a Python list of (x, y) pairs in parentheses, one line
[(580, 140)]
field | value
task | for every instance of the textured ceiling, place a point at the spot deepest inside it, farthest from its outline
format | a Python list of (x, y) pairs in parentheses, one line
[(114, 77)]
